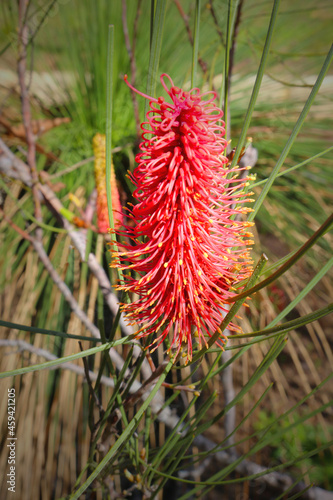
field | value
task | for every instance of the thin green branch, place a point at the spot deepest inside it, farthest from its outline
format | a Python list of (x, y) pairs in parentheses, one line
[(226, 66), (43, 331), (291, 169), (233, 310), (155, 50), (257, 84), (304, 292), (65, 359), (121, 441), (289, 325), (108, 131), (293, 135), (195, 43), (295, 257)]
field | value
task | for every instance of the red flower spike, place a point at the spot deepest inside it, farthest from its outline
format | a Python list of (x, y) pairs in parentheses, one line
[(188, 248)]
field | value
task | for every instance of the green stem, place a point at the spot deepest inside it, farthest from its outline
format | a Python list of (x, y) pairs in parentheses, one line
[(195, 43), (127, 433), (322, 230), (155, 50), (257, 84), (293, 135)]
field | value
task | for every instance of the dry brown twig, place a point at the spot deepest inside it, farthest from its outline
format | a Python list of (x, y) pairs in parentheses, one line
[(38, 127)]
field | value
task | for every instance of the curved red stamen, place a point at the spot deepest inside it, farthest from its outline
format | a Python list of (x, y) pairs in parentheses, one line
[(138, 91)]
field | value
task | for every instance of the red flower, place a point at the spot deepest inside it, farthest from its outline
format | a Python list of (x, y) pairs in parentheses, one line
[(187, 248), (100, 179)]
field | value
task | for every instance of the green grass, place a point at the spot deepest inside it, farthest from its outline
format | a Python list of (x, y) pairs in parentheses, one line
[(74, 40)]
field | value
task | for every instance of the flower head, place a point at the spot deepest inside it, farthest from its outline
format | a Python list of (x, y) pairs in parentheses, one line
[(187, 247), (100, 179)]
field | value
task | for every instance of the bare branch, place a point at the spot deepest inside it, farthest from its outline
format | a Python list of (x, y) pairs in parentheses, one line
[(64, 288)]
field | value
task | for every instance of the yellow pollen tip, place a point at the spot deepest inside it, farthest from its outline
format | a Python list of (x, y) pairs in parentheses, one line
[(159, 245), (206, 255), (165, 264), (180, 262)]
